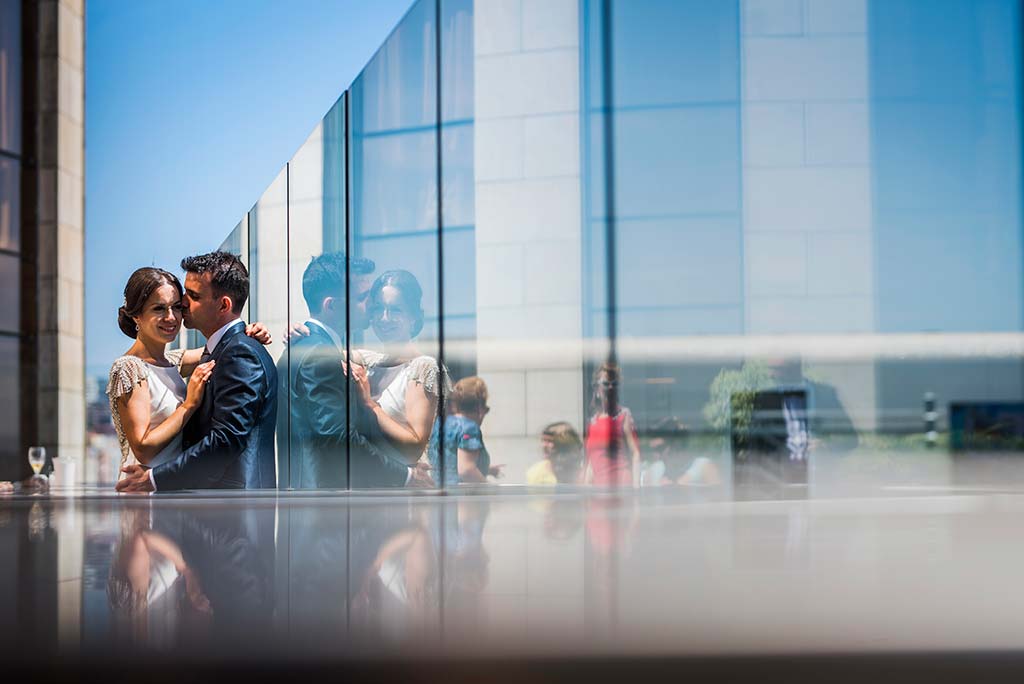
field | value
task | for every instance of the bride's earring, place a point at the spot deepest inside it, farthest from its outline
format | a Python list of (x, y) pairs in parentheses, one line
[(136, 327)]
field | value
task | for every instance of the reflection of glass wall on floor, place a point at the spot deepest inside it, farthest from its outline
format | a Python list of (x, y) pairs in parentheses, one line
[(810, 222)]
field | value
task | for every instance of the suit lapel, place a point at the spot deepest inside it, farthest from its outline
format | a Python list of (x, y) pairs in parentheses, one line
[(228, 334), (201, 419)]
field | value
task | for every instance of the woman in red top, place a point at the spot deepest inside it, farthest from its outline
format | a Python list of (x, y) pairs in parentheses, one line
[(613, 450)]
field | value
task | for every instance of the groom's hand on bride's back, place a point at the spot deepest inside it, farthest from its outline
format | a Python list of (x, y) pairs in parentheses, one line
[(259, 332), (136, 479), (294, 332)]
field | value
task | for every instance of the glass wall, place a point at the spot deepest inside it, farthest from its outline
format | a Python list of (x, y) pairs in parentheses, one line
[(268, 276), (752, 247), (458, 233), (303, 414), (394, 305)]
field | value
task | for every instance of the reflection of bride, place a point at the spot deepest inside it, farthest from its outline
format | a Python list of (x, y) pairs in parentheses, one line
[(399, 385), (154, 595), (399, 593)]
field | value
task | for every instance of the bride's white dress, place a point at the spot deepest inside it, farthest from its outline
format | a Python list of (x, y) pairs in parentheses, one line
[(166, 391), (388, 384)]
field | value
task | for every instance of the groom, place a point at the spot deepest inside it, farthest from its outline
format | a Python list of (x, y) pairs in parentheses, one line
[(229, 441), (334, 443)]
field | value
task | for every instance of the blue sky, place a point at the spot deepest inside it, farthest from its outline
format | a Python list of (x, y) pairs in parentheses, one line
[(192, 107)]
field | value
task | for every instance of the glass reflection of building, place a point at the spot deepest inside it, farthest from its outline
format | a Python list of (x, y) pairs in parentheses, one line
[(735, 198)]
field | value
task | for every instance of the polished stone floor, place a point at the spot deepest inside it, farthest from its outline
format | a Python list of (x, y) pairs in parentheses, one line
[(508, 575)]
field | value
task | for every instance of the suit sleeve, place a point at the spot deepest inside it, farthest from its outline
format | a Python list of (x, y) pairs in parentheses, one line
[(320, 377), (239, 386)]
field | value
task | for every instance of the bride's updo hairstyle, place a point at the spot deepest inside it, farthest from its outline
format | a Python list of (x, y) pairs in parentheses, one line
[(409, 288), (140, 286)]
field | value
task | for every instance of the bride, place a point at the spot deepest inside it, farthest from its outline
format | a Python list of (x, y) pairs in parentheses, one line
[(149, 400), (400, 386)]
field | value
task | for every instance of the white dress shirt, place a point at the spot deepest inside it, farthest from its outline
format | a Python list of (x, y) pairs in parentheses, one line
[(215, 338)]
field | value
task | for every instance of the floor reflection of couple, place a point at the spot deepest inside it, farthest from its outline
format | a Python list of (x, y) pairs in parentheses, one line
[(199, 578), (435, 561), (380, 436)]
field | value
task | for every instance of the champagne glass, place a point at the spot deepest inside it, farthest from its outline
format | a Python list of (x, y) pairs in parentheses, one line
[(37, 458)]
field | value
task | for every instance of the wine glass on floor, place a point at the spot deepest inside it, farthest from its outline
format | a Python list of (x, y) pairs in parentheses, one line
[(37, 459)]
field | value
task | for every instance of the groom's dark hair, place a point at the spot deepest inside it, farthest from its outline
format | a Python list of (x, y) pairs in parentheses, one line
[(325, 277), (228, 275)]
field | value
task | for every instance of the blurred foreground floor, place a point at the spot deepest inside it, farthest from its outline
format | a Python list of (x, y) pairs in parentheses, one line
[(513, 585)]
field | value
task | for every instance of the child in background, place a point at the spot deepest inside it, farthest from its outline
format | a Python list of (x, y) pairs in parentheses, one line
[(465, 456), (563, 457)]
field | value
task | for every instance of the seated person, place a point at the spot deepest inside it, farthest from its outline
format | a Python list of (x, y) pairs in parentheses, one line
[(669, 460), (563, 457)]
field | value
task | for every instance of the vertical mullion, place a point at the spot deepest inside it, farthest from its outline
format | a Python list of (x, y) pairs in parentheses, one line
[(607, 104), (442, 551), (348, 138), (287, 470), (440, 243)]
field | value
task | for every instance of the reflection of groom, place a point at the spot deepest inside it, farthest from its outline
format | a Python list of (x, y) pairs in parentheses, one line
[(330, 438), (229, 441)]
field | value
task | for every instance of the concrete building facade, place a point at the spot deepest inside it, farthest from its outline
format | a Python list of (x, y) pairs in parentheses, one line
[(43, 215)]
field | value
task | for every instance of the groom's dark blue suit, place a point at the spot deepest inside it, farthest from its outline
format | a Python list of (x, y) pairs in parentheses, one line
[(229, 441), (325, 429)]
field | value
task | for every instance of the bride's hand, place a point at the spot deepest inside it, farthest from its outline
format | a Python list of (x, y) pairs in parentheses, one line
[(197, 385), (259, 332), (362, 383)]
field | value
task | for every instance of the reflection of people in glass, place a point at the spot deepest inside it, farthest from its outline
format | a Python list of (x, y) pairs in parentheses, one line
[(466, 561), (149, 401), (668, 460), (562, 519), (610, 524), (563, 456), (398, 592), (323, 431), (153, 592), (465, 457), (402, 386), (613, 450)]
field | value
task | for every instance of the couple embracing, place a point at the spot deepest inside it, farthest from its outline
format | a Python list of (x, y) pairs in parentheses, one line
[(216, 431), (372, 431)]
